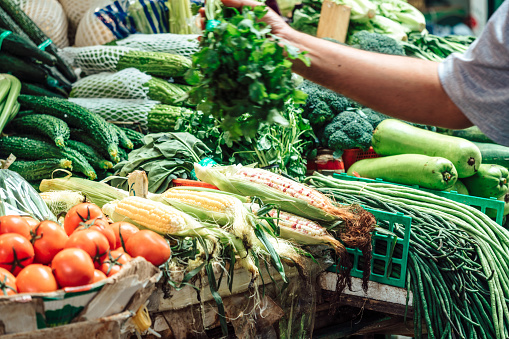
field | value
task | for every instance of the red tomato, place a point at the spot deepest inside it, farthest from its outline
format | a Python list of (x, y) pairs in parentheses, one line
[(113, 264), (31, 222), (48, 239), (7, 283), (16, 252), (36, 278), (98, 276), (102, 225), (14, 224), (80, 213), (92, 242), (73, 267), (149, 245), (123, 229)]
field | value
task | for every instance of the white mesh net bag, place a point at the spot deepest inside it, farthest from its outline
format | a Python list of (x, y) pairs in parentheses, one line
[(182, 44), (50, 17), (119, 110), (129, 83), (95, 59), (92, 31)]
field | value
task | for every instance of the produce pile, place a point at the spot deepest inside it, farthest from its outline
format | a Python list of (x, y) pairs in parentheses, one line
[(105, 131)]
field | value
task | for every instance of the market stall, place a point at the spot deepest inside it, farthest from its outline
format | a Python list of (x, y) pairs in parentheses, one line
[(164, 176)]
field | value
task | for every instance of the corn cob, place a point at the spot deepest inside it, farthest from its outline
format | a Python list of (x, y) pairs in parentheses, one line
[(285, 185), (149, 214), (299, 224), (274, 189), (207, 200), (301, 230)]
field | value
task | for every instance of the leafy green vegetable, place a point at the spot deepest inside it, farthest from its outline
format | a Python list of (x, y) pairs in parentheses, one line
[(165, 156), (245, 72), (280, 147)]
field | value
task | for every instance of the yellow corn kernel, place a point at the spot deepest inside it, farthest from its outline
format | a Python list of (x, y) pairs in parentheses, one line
[(153, 215), (216, 202)]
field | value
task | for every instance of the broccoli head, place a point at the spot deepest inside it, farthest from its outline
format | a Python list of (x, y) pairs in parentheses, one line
[(349, 129), (375, 42), (373, 117), (322, 104)]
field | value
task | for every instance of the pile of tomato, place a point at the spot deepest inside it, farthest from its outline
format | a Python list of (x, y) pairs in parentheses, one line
[(38, 257)]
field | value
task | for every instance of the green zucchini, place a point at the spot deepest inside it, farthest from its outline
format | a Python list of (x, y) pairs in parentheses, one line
[(409, 169), (34, 89), (392, 137), (92, 156), (39, 169), (490, 181), (155, 63), (459, 188), (162, 118), (472, 133), (494, 154), (136, 137), (77, 116), (42, 124), (37, 36), (122, 137), (38, 149), (21, 69)]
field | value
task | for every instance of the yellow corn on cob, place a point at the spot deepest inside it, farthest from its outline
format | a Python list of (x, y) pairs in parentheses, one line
[(285, 185), (207, 200), (150, 214)]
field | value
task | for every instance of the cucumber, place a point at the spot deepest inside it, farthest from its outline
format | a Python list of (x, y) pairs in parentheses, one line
[(459, 188), (409, 169), (472, 133), (33, 89), (42, 124), (392, 137), (21, 69), (491, 181), (23, 47), (494, 154)]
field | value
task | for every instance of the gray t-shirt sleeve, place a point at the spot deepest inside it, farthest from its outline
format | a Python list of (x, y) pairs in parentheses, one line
[(478, 81)]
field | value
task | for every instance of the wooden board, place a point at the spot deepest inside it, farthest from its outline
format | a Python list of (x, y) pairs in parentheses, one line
[(334, 21), (105, 328)]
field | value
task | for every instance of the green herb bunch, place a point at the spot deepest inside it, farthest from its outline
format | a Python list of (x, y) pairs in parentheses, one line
[(243, 72)]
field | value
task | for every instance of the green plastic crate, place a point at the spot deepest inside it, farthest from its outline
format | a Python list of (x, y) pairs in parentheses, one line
[(390, 253), (482, 204)]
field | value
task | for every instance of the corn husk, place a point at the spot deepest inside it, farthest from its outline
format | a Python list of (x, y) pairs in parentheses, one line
[(96, 192), (222, 177)]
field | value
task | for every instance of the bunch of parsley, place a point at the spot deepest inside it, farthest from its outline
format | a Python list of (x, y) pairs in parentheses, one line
[(243, 72)]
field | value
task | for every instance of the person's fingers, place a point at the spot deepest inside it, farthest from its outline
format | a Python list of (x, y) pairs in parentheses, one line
[(241, 3), (202, 17)]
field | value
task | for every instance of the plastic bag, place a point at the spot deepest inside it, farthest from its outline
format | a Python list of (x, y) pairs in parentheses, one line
[(18, 197)]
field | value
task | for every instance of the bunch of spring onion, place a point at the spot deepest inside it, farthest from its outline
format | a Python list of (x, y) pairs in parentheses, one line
[(490, 240)]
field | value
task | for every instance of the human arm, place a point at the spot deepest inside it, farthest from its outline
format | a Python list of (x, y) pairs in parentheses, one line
[(401, 87)]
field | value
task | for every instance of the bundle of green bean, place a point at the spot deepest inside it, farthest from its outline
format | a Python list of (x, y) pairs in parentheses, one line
[(444, 270)]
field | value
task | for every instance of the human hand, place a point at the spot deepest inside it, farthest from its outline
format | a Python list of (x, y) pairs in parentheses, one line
[(279, 26)]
